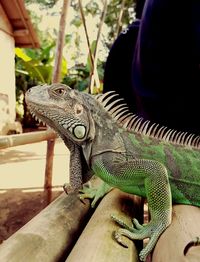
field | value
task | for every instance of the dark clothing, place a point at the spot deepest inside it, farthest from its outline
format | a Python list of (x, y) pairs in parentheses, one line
[(118, 69), (162, 82), (139, 8)]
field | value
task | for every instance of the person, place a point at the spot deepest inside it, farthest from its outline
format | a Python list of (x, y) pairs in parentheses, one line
[(155, 63)]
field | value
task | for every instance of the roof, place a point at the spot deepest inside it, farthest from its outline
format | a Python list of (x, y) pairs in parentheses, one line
[(22, 28)]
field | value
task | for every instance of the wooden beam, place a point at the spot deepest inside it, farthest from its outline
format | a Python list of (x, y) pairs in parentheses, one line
[(49, 235), (96, 243), (26, 138), (20, 32)]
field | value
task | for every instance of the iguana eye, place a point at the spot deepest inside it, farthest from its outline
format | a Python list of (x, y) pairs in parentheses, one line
[(79, 131), (60, 91)]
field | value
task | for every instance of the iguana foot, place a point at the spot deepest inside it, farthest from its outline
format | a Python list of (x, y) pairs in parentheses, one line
[(96, 194), (136, 225), (68, 188), (89, 193), (152, 230)]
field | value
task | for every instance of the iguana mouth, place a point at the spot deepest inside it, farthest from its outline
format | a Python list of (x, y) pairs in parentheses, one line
[(37, 117), (40, 116)]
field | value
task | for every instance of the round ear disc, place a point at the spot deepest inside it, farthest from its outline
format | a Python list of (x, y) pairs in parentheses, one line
[(79, 131)]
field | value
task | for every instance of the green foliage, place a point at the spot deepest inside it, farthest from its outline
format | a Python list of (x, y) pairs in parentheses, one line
[(35, 66), (38, 63), (76, 21), (79, 76), (42, 3), (113, 11), (112, 15), (92, 8)]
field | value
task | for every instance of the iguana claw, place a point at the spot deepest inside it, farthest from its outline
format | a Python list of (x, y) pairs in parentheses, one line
[(118, 238), (121, 223), (90, 193), (96, 194), (68, 188), (82, 200), (137, 231), (134, 228)]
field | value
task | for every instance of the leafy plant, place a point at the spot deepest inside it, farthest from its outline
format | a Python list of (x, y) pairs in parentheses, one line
[(33, 67)]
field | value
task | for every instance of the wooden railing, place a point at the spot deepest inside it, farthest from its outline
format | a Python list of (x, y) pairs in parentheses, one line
[(52, 235), (26, 138), (29, 138)]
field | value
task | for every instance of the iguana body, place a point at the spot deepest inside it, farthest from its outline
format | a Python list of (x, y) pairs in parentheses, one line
[(124, 151)]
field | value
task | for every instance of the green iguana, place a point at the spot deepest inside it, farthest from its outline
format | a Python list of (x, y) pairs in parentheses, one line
[(125, 151)]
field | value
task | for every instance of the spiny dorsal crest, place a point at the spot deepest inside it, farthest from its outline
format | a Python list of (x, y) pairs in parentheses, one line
[(119, 111)]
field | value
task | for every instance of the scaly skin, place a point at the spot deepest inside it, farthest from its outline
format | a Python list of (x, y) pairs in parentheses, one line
[(130, 158)]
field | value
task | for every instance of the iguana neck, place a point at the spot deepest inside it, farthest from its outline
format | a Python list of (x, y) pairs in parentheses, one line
[(105, 140)]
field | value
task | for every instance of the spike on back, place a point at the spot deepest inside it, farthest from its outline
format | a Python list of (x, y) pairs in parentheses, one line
[(120, 113)]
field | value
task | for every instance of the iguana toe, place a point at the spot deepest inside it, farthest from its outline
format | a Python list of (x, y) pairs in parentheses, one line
[(89, 193), (152, 230), (121, 223), (68, 188), (118, 238), (136, 224)]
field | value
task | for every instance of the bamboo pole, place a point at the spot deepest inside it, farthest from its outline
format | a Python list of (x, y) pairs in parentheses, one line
[(60, 43), (94, 69), (94, 73), (120, 18), (96, 242), (26, 138), (49, 235), (56, 79)]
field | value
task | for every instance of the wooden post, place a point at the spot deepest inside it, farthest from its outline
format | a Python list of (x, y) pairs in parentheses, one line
[(56, 79), (49, 164), (96, 242)]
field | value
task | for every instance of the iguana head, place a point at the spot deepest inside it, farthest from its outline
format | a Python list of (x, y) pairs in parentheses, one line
[(63, 109)]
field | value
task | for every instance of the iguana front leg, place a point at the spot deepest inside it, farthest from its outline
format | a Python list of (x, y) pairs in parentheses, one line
[(80, 174), (78, 168), (144, 178)]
